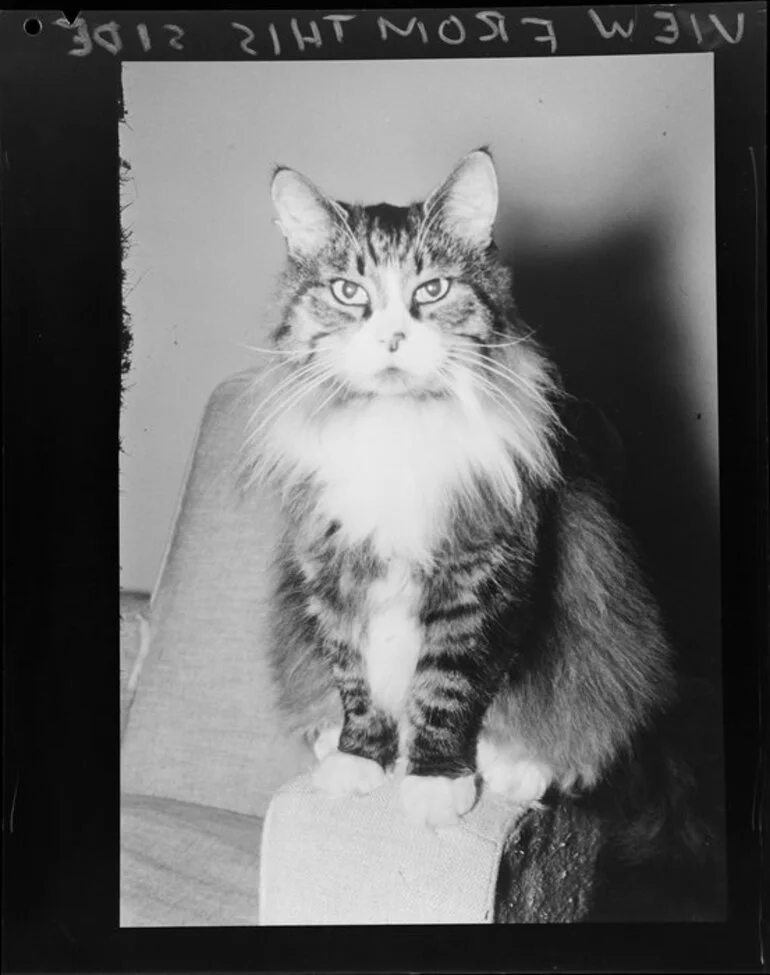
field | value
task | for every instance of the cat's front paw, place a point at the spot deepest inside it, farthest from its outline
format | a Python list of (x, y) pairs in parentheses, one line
[(521, 780), (436, 800), (328, 741), (340, 774)]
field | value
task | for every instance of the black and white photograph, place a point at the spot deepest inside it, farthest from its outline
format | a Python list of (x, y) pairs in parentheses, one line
[(385, 427), (421, 472)]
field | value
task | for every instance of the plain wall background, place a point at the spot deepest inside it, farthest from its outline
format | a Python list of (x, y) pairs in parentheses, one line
[(607, 217)]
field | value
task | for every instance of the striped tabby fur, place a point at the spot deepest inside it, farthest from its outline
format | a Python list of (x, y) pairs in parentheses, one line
[(450, 594)]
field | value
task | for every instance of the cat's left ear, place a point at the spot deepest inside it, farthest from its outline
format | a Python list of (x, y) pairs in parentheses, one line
[(468, 199), (305, 214)]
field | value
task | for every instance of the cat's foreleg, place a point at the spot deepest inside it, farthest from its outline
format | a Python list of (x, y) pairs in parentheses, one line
[(460, 670), (368, 740), (447, 703)]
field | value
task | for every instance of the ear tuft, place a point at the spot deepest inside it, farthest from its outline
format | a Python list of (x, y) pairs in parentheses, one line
[(303, 211)]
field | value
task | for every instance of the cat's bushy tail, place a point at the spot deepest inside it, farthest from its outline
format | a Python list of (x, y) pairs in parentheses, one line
[(663, 854), (647, 845)]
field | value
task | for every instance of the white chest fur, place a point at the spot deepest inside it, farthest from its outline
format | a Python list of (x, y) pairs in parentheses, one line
[(389, 469), (393, 636), (387, 474)]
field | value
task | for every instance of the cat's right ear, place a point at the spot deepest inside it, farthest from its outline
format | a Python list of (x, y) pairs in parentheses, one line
[(304, 214)]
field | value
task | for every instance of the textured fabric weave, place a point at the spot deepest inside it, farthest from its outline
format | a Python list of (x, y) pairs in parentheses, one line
[(187, 866), (358, 861), (203, 726), (134, 645)]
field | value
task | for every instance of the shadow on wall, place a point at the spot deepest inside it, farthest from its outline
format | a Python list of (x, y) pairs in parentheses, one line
[(600, 308)]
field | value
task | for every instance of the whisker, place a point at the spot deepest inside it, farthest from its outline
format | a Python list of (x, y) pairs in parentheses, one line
[(286, 353), (293, 400), (506, 345), (295, 376), (528, 451), (482, 383), (536, 390), (495, 391), (286, 389), (261, 376), (477, 359), (338, 388), (506, 372), (294, 387), (511, 407), (343, 219)]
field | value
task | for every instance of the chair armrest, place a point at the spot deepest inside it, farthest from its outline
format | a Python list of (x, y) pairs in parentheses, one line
[(134, 644), (320, 855)]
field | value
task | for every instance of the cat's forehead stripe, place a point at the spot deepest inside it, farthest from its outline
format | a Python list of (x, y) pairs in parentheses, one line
[(387, 231)]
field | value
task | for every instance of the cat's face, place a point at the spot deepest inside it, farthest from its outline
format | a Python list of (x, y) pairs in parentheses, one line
[(386, 299)]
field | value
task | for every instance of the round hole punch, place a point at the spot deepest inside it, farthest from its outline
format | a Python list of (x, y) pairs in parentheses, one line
[(32, 26)]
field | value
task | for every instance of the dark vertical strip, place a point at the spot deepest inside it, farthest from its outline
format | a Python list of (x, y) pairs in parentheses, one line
[(741, 216), (62, 342)]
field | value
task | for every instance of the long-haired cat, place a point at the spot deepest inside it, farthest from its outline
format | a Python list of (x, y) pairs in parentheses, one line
[(455, 595)]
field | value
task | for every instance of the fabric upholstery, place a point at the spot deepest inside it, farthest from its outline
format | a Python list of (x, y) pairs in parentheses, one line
[(134, 646), (187, 865), (203, 726), (358, 860)]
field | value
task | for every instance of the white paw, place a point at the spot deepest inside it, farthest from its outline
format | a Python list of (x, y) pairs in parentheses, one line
[(340, 774), (521, 780), (327, 741), (434, 800)]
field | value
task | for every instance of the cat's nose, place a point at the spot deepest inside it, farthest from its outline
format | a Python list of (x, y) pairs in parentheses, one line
[(395, 340)]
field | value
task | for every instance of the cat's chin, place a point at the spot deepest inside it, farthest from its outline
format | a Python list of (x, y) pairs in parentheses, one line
[(397, 383)]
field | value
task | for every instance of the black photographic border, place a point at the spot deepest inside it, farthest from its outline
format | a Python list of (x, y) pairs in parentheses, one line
[(65, 346)]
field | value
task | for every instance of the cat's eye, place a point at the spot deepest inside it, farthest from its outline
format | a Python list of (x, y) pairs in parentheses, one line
[(432, 291), (349, 293)]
